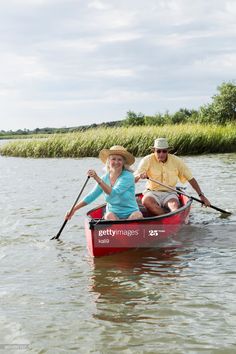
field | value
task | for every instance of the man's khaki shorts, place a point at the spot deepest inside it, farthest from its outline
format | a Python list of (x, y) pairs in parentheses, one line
[(161, 198)]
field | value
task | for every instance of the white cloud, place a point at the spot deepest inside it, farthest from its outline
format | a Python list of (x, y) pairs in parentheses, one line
[(231, 7), (121, 36), (98, 5), (115, 73), (226, 62), (97, 59)]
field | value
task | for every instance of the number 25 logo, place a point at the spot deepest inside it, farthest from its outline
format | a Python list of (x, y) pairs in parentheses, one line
[(153, 233)]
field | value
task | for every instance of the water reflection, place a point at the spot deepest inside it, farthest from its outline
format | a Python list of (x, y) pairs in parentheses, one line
[(128, 285), (178, 297), (141, 285)]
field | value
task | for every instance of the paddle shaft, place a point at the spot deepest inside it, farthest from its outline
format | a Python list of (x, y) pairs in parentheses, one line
[(189, 196), (65, 222)]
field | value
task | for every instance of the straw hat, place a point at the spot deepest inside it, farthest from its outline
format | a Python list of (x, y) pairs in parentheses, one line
[(117, 150), (160, 143)]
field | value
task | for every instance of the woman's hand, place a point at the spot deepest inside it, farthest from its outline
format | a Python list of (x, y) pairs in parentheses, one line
[(69, 215), (78, 206), (92, 173)]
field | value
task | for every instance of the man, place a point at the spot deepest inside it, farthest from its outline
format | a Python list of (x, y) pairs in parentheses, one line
[(168, 169)]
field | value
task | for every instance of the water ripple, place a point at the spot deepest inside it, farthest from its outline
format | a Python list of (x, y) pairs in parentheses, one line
[(54, 297)]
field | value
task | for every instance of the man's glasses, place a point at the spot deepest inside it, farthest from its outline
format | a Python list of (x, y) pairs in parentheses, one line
[(161, 150)]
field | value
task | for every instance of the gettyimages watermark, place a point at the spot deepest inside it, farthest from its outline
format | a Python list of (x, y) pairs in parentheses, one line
[(155, 235), (130, 237), (16, 346)]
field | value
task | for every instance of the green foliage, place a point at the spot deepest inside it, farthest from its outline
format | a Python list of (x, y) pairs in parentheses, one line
[(221, 111), (41, 132), (184, 115), (133, 119), (154, 120), (223, 108), (185, 139)]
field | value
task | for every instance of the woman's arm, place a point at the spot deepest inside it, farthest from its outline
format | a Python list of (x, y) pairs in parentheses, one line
[(77, 207), (105, 187), (89, 198)]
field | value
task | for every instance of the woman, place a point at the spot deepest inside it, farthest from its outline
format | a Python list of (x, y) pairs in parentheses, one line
[(117, 185)]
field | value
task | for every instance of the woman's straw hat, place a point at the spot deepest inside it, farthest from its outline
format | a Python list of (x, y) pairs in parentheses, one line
[(117, 150)]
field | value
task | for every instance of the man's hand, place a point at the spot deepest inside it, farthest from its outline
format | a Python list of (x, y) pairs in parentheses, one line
[(205, 201)]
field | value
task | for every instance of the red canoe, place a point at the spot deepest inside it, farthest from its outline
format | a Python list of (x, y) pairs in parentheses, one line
[(105, 237)]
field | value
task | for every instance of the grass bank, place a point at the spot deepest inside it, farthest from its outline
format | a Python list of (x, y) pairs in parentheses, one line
[(22, 136), (186, 139)]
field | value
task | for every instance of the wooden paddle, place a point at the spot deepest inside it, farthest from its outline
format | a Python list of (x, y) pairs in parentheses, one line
[(189, 196), (65, 222)]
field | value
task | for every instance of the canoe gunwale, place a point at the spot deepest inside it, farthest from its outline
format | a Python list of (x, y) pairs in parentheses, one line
[(93, 222)]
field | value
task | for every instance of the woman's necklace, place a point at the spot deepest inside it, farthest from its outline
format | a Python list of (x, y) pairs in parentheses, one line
[(114, 178)]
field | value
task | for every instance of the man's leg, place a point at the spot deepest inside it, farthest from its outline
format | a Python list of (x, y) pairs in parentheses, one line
[(172, 204), (152, 206)]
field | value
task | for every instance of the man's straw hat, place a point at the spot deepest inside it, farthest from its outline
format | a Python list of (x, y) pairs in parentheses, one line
[(160, 143)]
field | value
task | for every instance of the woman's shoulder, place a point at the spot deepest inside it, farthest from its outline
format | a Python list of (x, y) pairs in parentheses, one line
[(127, 174)]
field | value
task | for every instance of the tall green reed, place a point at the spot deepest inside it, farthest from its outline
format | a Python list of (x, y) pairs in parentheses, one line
[(185, 139)]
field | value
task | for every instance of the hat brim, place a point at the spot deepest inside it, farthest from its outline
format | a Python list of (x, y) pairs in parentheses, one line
[(154, 147), (105, 153), (169, 149)]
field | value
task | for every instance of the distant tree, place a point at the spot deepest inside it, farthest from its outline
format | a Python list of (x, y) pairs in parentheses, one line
[(133, 119), (223, 107), (19, 131), (167, 118), (157, 119), (184, 115)]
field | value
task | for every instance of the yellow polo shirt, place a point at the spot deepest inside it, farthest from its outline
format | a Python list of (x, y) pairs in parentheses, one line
[(168, 172)]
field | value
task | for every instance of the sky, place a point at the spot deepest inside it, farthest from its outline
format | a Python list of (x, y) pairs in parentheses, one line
[(66, 63)]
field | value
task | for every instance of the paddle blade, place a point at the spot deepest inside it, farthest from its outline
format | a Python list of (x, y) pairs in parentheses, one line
[(225, 215), (222, 211)]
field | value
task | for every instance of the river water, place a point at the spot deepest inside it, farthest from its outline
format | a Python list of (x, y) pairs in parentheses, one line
[(55, 298)]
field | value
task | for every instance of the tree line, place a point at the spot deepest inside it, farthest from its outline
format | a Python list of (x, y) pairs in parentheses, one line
[(221, 110)]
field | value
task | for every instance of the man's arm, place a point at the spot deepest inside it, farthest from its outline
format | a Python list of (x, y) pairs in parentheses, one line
[(141, 171), (197, 188)]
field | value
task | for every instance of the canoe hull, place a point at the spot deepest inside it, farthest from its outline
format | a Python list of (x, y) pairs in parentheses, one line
[(108, 237)]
